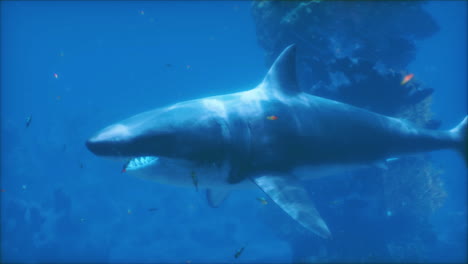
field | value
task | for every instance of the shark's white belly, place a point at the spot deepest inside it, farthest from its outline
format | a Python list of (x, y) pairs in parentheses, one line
[(187, 174)]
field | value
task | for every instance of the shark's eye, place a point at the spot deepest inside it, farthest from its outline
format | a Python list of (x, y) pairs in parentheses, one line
[(141, 162)]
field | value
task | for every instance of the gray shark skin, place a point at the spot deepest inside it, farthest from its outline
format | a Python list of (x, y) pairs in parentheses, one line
[(227, 142)]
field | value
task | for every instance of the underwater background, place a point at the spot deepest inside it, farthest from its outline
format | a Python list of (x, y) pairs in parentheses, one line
[(70, 68)]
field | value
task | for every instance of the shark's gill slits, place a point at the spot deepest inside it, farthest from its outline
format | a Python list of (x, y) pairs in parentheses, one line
[(141, 162)]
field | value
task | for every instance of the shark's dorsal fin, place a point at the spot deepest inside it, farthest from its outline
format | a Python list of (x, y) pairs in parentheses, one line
[(282, 74)]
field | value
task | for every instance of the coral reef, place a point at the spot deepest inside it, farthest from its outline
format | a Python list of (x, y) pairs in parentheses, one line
[(383, 32)]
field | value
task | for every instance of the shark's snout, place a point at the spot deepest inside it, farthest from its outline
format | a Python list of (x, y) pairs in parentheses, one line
[(97, 147), (109, 141)]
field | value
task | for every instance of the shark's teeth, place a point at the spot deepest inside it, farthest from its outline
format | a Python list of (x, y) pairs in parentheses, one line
[(141, 162)]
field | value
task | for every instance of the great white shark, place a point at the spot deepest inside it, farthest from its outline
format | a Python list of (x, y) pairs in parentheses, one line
[(231, 141)]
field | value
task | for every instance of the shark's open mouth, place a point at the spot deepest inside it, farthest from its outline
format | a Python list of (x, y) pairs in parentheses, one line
[(140, 163)]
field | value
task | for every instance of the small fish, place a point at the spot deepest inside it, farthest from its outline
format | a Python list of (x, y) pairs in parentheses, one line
[(56, 76), (239, 252), (262, 200), (389, 160), (142, 12), (273, 117), (59, 97), (3, 190), (153, 209), (189, 67), (82, 220), (28, 120), (407, 78), (81, 165), (195, 179), (129, 211), (168, 65)]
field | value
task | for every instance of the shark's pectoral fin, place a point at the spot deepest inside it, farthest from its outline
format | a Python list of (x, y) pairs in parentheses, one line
[(290, 196), (216, 197)]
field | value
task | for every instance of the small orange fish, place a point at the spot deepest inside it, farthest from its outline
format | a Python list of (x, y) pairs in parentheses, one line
[(407, 78), (262, 200), (273, 117)]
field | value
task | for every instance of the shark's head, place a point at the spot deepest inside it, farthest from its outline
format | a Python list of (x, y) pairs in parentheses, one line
[(185, 131)]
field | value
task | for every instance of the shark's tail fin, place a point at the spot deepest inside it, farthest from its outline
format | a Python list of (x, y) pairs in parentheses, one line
[(460, 135)]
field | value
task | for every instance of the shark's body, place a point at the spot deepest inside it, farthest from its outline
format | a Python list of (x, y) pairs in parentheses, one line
[(227, 142)]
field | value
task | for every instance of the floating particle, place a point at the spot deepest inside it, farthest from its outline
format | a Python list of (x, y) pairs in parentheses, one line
[(407, 78), (273, 117), (56, 76), (24, 186), (142, 12), (81, 165), (61, 54), (389, 213), (82, 220), (188, 67), (262, 200), (129, 211), (3, 190), (59, 97), (153, 209), (168, 65)]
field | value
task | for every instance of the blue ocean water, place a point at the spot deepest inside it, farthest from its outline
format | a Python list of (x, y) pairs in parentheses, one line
[(75, 67)]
